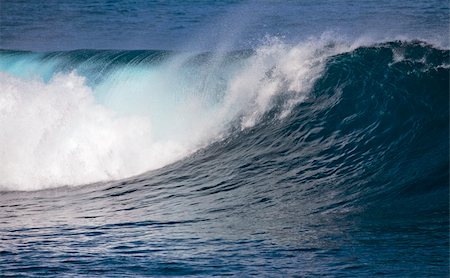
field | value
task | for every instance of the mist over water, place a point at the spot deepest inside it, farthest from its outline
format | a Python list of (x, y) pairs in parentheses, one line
[(212, 138)]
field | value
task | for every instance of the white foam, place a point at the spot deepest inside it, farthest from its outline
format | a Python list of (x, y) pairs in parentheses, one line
[(56, 134)]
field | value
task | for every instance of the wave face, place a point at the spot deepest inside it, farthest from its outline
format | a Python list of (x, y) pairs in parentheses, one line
[(321, 157)]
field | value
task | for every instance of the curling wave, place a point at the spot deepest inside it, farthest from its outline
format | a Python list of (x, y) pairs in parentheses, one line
[(85, 116)]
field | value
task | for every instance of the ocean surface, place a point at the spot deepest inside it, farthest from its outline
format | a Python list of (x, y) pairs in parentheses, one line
[(224, 138)]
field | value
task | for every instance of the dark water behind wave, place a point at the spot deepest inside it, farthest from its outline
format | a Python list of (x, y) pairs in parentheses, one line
[(352, 182)]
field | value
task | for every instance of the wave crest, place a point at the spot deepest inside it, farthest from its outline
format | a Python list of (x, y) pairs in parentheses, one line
[(79, 117)]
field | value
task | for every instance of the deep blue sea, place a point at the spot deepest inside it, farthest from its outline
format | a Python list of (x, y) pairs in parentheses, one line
[(224, 138)]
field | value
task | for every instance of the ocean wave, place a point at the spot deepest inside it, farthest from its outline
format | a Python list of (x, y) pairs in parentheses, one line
[(78, 117)]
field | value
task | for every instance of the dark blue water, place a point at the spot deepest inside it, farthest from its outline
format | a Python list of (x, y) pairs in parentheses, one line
[(199, 138), (204, 24)]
